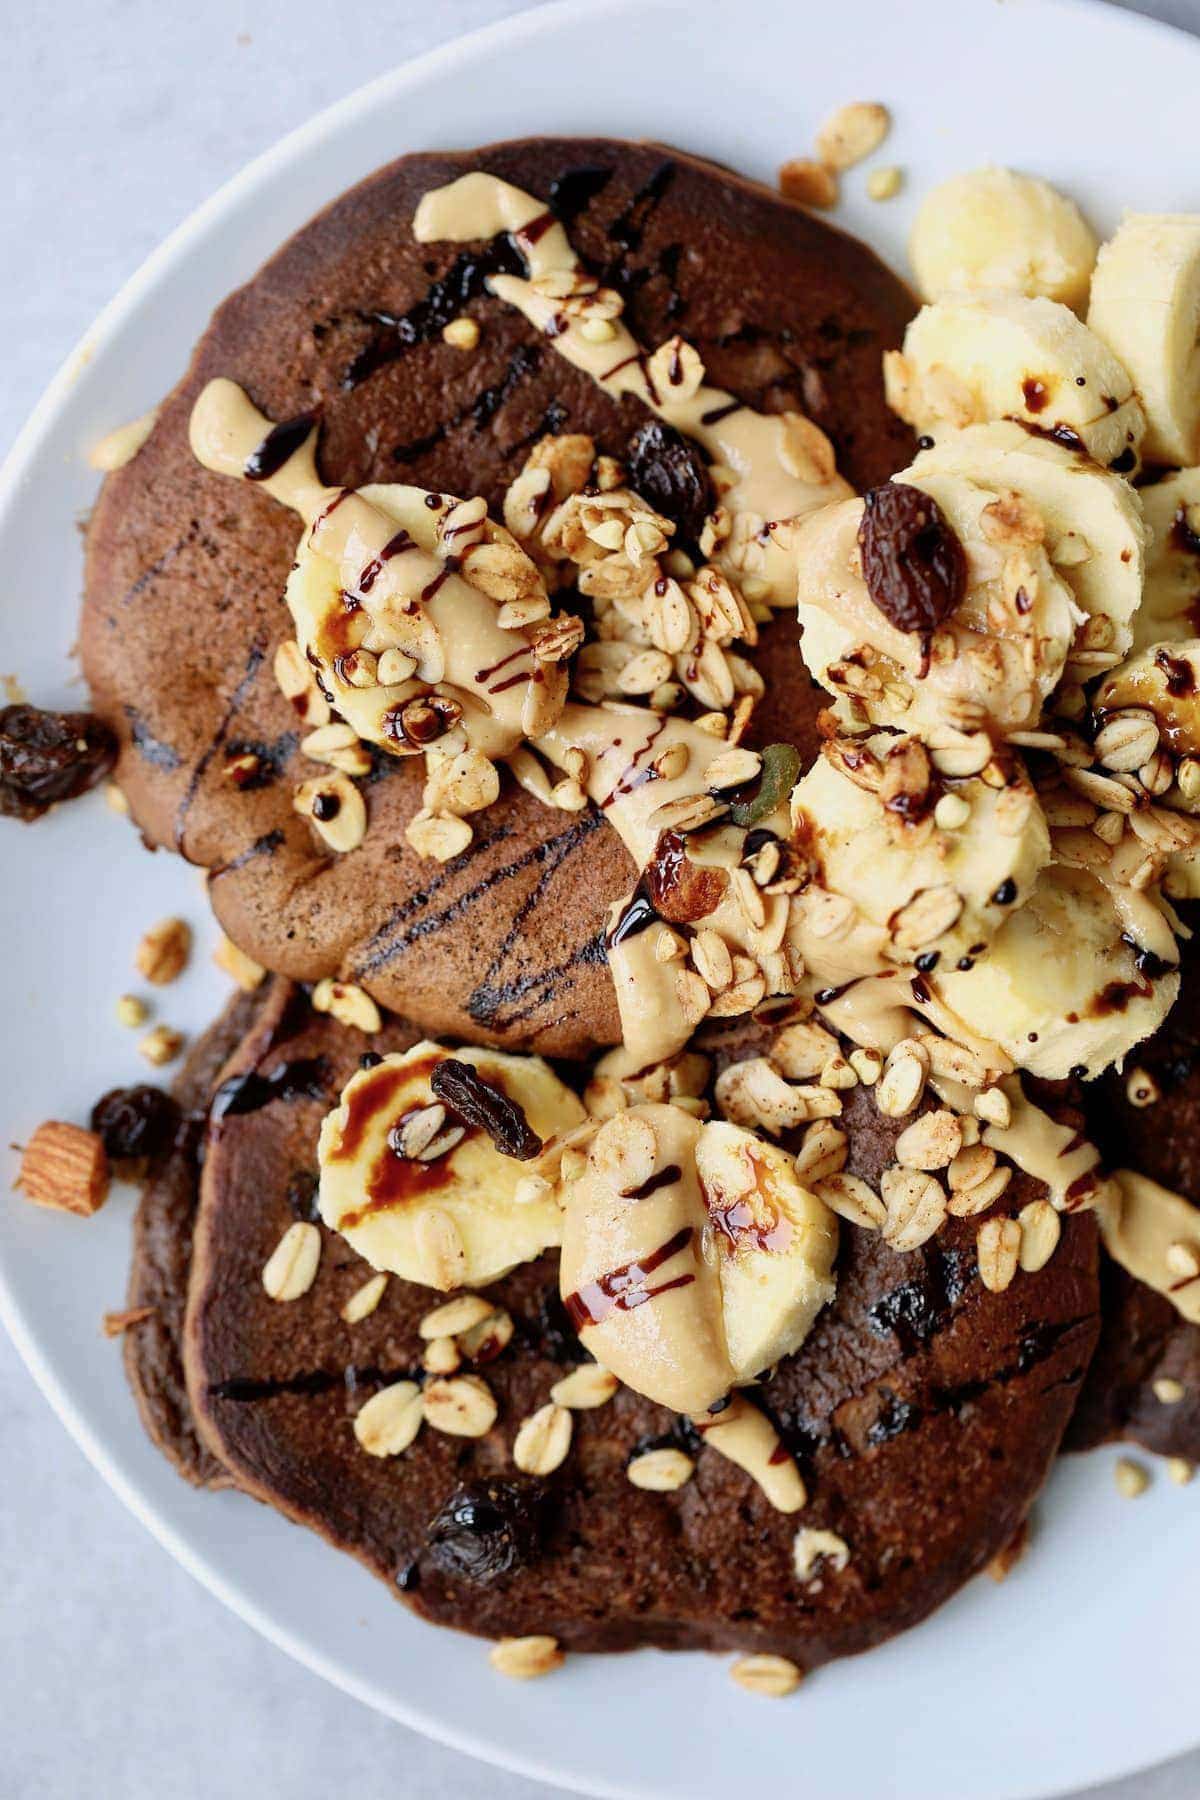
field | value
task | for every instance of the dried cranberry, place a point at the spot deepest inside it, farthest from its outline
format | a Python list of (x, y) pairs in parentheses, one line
[(488, 1529), (457, 1085), (669, 472), (47, 756), (913, 564), (136, 1121)]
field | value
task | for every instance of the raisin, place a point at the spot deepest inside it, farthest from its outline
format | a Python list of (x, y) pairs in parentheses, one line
[(670, 474), (913, 564), (476, 1101), (47, 756), (136, 1121), (488, 1529)]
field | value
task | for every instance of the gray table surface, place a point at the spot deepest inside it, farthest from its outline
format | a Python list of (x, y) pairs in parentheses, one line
[(118, 117)]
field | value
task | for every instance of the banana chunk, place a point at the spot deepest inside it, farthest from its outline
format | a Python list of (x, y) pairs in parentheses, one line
[(1060, 988), (993, 661), (967, 359), (1146, 306), (377, 649), (422, 1194), (1089, 520), (997, 230), (868, 812), (1170, 608), (692, 1255)]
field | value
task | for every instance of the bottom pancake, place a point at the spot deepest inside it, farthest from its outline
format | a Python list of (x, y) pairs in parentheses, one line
[(162, 1254), (924, 1412)]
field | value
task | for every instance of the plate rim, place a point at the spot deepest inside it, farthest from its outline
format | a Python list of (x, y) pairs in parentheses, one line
[(536, 18)]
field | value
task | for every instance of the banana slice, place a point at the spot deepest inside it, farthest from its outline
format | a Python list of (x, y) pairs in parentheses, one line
[(1170, 608), (775, 1245), (692, 1257), (1088, 520), (417, 1192), (1146, 307), (869, 810), (1059, 988), (994, 661), (996, 230), (1002, 356)]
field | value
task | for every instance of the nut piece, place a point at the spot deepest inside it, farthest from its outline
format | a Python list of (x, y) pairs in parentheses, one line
[(585, 1387), (390, 1420), (161, 1046), (1180, 1470), (116, 1324), (523, 1658), (998, 1247), (1041, 1229), (335, 807), (885, 182), (292, 1266), (812, 1547), (899, 1089), (243, 969), (624, 1153), (811, 183), (132, 1011), (364, 1299), (1010, 1554), (461, 334), (1132, 1478), (1168, 1391), (163, 952), (543, 1439), (852, 133), (64, 1167), (462, 1406), (348, 1004), (456, 1315), (930, 1142), (661, 1471), (773, 1676)]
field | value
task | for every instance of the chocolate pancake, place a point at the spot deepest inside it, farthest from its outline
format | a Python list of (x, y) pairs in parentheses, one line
[(185, 569), (1143, 1338), (924, 1412), (162, 1245)]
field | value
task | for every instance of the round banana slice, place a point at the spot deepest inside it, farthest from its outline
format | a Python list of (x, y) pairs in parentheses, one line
[(993, 661), (1146, 306), (937, 865), (692, 1256), (1088, 520), (1170, 608), (378, 649), (418, 1191), (1001, 356), (1060, 989), (997, 230)]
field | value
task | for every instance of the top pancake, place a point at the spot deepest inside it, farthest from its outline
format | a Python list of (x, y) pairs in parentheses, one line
[(185, 569)]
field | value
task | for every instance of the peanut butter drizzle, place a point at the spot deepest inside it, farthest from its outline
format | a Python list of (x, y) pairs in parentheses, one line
[(1141, 1223), (402, 593), (121, 446), (747, 1437), (750, 445)]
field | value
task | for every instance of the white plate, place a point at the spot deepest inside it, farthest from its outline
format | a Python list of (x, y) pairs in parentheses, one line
[(1080, 1667)]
